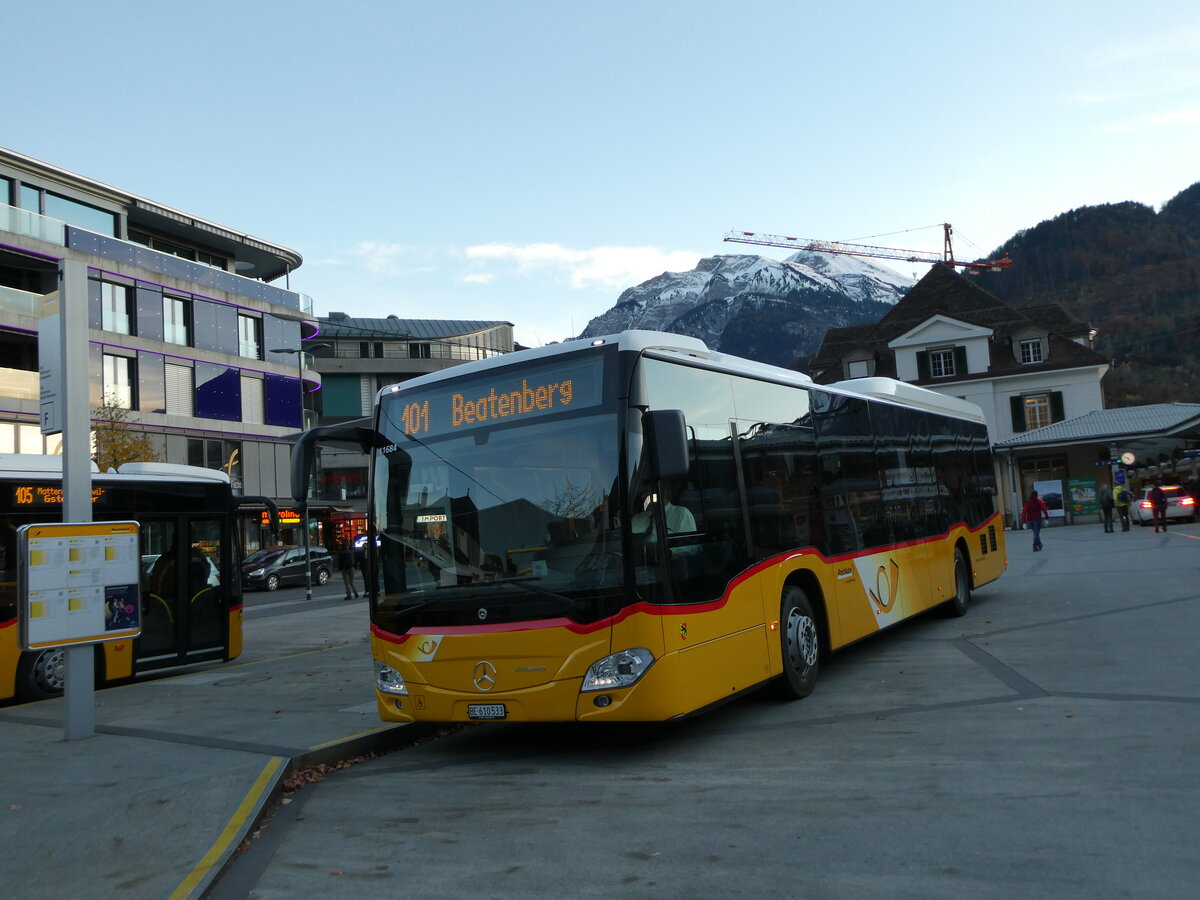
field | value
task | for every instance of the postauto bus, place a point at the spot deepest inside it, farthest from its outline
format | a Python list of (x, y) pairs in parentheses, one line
[(637, 528), (190, 591)]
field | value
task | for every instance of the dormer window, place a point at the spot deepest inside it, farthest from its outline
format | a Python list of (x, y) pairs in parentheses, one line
[(944, 362), (1031, 351), (941, 363), (859, 368)]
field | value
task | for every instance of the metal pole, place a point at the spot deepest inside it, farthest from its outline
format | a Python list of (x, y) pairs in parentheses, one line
[(80, 687), (304, 506)]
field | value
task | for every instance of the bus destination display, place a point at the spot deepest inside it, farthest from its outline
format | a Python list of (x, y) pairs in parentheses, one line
[(507, 397)]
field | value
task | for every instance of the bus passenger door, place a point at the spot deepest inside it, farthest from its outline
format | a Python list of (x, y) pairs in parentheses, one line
[(183, 598)]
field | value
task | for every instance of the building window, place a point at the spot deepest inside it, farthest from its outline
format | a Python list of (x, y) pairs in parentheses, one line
[(941, 363), (249, 340), (116, 308), (252, 400), (1031, 351), (118, 381), (1037, 410), (857, 368), (180, 390), (225, 456), (176, 321), (81, 215), (419, 351)]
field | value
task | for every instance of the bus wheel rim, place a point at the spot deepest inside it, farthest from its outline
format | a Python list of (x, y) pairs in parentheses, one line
[(50, 670), (801, 640)]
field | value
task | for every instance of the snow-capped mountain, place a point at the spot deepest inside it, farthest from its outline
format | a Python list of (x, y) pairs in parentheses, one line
[(756, 307)]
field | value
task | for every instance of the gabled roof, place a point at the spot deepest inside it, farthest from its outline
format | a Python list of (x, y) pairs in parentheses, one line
[(944, 292), (1155, 420)]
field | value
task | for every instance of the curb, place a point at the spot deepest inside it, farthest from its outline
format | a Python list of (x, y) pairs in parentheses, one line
[(264, 795)]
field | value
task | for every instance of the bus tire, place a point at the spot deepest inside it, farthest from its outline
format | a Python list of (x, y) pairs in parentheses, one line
[(800, 641), (42, 674), (961, 602)]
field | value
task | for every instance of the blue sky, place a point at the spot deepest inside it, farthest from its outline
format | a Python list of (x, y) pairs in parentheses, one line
[(528, 161)]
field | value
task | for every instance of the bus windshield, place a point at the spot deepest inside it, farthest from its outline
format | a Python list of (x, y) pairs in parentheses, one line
[(510, 515)]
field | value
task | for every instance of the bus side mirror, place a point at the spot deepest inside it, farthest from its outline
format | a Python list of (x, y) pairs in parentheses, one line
[(666, 431)]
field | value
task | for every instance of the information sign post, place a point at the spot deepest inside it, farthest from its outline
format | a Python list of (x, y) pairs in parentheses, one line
[(63, 348)]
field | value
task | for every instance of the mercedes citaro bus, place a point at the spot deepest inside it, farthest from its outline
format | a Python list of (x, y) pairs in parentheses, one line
[(636, 528)]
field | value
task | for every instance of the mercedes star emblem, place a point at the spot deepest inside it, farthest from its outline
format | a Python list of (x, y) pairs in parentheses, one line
[(485, 675)]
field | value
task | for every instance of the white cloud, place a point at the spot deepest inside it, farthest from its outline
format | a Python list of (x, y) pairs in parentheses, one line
[(480, 278), (614, 267), (381, 257)]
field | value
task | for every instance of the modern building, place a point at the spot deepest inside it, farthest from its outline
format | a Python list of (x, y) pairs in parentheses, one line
[(1026, 368), (189, 329), (357, 356)]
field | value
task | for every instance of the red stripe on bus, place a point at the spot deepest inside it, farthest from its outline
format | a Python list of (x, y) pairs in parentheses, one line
[(677, 609)]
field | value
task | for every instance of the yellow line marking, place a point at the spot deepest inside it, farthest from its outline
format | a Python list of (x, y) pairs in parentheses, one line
[(352, 737), (232, 830)]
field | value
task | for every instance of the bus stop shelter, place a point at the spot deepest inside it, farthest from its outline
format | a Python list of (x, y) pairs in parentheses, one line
[(1135, 445)]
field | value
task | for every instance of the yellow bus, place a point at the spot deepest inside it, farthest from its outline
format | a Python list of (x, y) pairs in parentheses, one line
[(636, 528), (191, 590)]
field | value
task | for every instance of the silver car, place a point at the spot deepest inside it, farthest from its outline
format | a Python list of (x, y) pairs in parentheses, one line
[(1179, 506)]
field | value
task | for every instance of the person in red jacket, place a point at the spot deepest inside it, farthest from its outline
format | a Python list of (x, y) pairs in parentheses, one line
[(1032, 514)]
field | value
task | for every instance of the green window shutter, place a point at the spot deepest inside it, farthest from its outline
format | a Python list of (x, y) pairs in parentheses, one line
[(960, 361), (1017, 405), (922, 365), (1056, 406)]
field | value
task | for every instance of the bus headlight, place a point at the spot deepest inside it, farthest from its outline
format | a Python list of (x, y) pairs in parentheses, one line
[(617, 671), (388, 680)]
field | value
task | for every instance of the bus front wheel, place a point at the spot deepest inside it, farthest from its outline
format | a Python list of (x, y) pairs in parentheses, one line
[(800, 642)]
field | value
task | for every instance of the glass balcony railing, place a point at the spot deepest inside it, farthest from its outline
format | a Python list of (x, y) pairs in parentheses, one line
[(17, 301), (30, 224), (19, 384)]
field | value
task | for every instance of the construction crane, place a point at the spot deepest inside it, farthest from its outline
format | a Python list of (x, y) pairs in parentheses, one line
[(914, 256)]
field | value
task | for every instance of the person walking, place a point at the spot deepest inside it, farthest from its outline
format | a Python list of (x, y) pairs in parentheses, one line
[(1121, 503), (1105, 498), (1158, 505), (345, 563), (1032, 514)]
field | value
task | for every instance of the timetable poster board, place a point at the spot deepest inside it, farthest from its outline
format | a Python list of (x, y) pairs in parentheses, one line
[(78, 583)]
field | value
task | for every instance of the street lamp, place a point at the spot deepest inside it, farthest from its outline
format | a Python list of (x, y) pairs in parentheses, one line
[(299, 351)]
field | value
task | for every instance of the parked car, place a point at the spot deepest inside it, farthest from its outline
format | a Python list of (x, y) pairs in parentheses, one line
[(1179, 505), (274, 567)]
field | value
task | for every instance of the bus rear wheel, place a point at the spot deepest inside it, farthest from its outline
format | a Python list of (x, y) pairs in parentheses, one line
[(800, 642), (42, 674), (962, 588)]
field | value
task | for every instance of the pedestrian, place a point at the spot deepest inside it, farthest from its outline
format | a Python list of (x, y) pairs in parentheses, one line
[(1121, 502), (1105, 497), (345, 563), (1158, 506), (1032, 514), (360, 557)]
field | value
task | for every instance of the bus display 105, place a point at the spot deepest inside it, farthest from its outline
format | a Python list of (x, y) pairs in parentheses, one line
[(675, 528)]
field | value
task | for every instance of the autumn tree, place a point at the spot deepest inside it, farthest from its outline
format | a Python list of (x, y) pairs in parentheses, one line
[(115, 440)]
